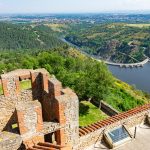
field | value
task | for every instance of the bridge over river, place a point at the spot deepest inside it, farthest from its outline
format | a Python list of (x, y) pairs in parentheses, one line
[(132, 65), (140, 64)]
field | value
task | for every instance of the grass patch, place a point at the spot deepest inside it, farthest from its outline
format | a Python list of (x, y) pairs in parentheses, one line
[(138, 25), (124, 97), (89, 114), (95, 35), (57, 27), (14, 126), (25, 84)]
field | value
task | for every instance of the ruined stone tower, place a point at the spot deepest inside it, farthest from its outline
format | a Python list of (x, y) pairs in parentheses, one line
[(45, 115)]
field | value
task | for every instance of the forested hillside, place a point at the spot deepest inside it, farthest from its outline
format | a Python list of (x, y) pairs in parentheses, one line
[(14, 36), (38, 46), (117, 42), (88, 78), (124, 43)]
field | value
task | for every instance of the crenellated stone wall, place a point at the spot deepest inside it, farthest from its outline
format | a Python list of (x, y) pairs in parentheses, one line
[(48, 109), (7, 107), (70, 105), (31, 111)]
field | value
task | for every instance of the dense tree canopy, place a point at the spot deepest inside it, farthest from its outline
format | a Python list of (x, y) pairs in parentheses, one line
[(38, 46), (88, 78), (118, 42), (27, 37)]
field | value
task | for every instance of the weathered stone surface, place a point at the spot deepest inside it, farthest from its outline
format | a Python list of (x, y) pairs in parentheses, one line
[(10, 141), (7, 106), (29, 118), (97, 135), (58, 108), (49, 127), (45, 110), (70, 102)]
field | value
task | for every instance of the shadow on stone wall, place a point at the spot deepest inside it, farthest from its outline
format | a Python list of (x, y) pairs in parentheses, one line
[(12, 124)]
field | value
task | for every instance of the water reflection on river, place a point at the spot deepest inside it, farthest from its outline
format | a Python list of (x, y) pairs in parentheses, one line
[(139, 77)]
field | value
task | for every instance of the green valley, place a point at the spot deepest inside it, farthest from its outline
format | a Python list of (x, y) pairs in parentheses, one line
[(39, 46), (14, 36), (115, 42), (88, 78)]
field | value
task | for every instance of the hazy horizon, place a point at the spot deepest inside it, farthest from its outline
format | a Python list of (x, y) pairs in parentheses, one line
[(73, 6), (78, 13)]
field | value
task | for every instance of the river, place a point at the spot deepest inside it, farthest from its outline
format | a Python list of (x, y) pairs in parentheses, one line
[(138, 77)]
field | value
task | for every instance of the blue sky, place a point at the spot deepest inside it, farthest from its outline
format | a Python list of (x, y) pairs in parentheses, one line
[(72, 6)]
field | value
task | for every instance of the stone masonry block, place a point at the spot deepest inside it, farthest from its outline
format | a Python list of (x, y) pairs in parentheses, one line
[(29, 118), (39, 126), (17, 82), (11, 85), (45, 82), (4, 86), (55, 87), (61, 137)]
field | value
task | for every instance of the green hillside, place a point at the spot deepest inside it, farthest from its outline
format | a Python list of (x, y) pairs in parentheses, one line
[(38, 46), (117, 42), (14, 37), (88, 78)]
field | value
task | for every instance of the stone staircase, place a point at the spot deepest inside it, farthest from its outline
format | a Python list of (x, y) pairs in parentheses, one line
[(46, 146)]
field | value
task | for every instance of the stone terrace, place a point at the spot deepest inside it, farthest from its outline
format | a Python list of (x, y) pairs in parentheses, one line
[(141, 142), (94, 133)]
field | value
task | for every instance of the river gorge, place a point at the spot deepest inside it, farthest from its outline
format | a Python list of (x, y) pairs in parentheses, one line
[(139, 77)]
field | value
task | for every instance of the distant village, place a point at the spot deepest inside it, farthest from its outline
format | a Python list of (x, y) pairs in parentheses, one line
[(76, 18)]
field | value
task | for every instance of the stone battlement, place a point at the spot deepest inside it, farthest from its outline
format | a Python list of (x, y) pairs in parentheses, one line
[(47, 115), (44, 113)]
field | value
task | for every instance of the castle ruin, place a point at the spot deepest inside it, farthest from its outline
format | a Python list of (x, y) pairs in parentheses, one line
[(46, 117)]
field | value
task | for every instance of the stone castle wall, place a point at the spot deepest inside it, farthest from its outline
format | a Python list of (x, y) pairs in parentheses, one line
[(56, 105), (12, 95), (129, 119), (48, 105), (7, 107), (106, 108), (60, 105), (70, 104)]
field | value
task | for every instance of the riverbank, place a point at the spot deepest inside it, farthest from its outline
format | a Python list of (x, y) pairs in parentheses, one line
[(137, 77), (131, 65)]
